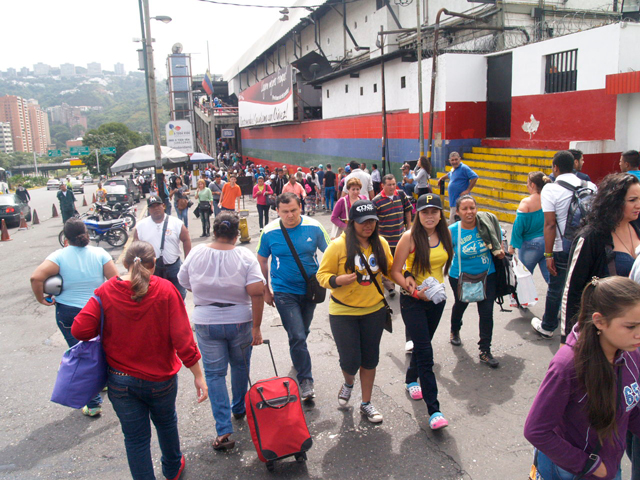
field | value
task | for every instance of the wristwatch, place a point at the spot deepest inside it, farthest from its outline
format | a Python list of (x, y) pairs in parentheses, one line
[(548, 255)]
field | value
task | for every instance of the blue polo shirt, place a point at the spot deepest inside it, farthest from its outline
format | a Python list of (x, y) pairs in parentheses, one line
[(307, 238), (476, 257), (459, 181), (635, 173)]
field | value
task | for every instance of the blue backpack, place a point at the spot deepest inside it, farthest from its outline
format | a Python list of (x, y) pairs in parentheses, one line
[(581, 200)]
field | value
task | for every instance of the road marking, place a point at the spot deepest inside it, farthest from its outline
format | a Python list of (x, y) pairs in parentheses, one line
[(130, 241)]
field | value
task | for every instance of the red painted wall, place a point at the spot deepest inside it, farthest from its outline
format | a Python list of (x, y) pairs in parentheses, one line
[(597, 165)]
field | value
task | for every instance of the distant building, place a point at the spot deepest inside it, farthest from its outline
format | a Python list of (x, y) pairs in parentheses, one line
[(118, 68), (94, 69), (6, 140), (41, 69), (74, 143), (39, 121), (15, 111), (67, 70), (24, 72), (11, 72), (69, 115)]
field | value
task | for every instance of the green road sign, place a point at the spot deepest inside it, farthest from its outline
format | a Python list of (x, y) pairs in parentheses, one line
[(54, 153), (79, 150), (108, 150)]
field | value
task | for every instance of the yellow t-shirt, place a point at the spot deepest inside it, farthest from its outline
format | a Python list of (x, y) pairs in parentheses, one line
[(437, 258), (360, 297)]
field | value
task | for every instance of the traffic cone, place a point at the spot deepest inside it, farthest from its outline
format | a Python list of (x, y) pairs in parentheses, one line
[(23, 222), (5, 232), (54, 211), (93, 199), (84, 201), (36, 220)]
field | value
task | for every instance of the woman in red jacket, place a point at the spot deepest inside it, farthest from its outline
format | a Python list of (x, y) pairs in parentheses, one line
[(146, 338)]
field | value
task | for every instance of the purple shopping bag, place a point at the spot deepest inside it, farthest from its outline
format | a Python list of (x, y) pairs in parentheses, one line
[(83, 371)]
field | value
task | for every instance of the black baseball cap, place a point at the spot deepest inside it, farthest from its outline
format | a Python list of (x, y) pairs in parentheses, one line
[(428, 200), (154, 200), (363, 210)]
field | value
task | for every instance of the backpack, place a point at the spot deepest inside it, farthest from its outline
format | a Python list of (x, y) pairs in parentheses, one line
[(581, 199), (506, 280)]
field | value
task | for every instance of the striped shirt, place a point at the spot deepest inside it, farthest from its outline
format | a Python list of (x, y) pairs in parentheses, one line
[(391, 214)]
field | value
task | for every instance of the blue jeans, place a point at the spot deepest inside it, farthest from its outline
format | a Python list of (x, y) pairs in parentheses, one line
[(296, 314), (554, 292), (135, 401), (633, 452), (550, 471), (216, 208), (221, 345), (182, 214), (171, 274), (330, 197), (167, 205), (531, 254), (65, 315)]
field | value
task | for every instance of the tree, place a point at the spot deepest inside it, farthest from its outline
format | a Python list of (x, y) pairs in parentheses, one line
[(60, 134), (110, 135)]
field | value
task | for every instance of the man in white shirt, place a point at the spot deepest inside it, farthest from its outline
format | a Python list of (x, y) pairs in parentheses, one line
[(556, 200), (151, 230), (376, 178), (365, 179)]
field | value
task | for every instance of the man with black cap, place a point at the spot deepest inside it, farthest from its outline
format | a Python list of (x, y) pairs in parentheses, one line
[(164, 233)]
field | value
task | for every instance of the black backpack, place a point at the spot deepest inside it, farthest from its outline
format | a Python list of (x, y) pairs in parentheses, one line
[(581, 199), (506, 280)]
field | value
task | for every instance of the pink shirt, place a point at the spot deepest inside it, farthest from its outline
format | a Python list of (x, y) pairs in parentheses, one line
[(261, 196), (297, 189)]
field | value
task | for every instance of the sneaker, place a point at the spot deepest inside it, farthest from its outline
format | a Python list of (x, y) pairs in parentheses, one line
[(182, 464), (345, 394), (408, 347), (455, 339), (91, 412), (437, 421), (486, 357), (239, 416), (369, 411), (536, 323), (414, 389), (306, 390)]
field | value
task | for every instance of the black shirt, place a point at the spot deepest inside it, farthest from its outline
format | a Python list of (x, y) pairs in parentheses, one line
[(329, 179), (23, 194)]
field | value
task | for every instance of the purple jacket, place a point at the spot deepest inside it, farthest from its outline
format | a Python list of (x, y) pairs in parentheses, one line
[(339, 214), (558, 424)]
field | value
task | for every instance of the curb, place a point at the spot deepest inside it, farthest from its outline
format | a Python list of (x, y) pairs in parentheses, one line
[(130, 241)]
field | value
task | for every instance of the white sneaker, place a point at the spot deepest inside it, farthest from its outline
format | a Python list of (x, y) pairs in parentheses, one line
[(408, 347), (344, 395), (536, 323), (371, 413)]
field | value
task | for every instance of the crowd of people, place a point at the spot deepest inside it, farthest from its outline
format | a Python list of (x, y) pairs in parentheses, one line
[(584, 239)]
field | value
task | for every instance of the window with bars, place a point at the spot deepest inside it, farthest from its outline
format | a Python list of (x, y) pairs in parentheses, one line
[(561, 72)]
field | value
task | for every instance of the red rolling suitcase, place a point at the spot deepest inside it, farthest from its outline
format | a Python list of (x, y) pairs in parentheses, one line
[(276, 420)]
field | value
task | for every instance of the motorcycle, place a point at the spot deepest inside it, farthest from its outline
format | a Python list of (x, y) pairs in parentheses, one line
[(125, 212), (114, 232)]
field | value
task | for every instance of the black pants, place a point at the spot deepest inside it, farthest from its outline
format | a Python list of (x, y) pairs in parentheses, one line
[(263, 215), (204, 218), (421, 320), (485, 312)]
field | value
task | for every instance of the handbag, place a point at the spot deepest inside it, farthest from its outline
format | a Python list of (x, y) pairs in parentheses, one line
[(315, 292), (161, 269), (83, 371), (388, 322), (307, 187), (183, 203), (526, 288), (471, 288)]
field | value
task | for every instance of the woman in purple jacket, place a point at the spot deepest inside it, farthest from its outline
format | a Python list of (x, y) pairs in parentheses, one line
[(589, 397)]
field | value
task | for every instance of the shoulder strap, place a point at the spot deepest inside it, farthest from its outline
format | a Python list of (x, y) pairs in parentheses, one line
[(164, 232), (101, 313), (459, 251), (293, 252), (566, 185), (373, 278)]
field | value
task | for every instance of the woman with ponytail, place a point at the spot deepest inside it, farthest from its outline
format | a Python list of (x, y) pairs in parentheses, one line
[(146, 339), (228, 293), (589, 397)]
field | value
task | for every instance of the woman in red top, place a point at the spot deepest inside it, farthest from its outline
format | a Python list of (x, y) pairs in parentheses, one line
[(146, 338), (260, 192)]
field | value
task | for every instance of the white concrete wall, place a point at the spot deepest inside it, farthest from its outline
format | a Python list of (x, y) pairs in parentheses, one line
[(633, 121), (629, 41)]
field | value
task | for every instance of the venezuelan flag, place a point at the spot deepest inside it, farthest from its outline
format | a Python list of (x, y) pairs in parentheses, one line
[(207, 83)]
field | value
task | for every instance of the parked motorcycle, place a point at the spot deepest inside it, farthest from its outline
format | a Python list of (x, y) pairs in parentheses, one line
[(125, 212), (114, 232)]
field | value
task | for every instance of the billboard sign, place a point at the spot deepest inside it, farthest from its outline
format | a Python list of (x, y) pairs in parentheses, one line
[(180, 135), (228, 133), (268, 101)]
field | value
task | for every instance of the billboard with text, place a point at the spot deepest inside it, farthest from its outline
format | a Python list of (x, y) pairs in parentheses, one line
[(180, 135), (268, 101)]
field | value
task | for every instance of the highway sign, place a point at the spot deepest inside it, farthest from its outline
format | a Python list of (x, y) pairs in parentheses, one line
[(108, 150), (79, 150), (54, 153)]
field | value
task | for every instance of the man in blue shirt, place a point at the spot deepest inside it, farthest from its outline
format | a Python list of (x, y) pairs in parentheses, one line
[(461, 181), (630, 162), (289, 287)]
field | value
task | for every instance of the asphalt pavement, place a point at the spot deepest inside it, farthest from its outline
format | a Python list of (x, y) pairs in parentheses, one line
[(486, 408)]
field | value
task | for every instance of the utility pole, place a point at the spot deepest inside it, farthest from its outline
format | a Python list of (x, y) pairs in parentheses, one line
[(419, 42), (98, 162), (384, 109), (35, 162), (146, 68)]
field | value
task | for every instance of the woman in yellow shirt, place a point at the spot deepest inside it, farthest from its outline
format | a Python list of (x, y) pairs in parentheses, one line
[(424, 253), (356, 311)]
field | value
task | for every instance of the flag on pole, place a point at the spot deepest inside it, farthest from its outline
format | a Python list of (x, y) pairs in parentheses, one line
[(207, 83)]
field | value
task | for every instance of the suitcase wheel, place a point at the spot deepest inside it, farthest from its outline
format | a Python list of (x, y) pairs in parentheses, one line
[(301, 457), (270, 466)]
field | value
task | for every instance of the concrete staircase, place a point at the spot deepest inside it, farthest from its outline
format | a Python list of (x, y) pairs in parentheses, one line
[(503, 177)]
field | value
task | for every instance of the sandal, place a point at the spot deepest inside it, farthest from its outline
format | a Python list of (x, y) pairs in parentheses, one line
[(223, 443)]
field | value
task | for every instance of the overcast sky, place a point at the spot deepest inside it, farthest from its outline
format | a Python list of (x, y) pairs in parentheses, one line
[(83, 31)]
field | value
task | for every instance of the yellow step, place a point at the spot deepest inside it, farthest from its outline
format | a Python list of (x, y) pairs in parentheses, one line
[(515, 152), (497, 185), (532, 163), (513, 177), (503, 166), (503, 216)]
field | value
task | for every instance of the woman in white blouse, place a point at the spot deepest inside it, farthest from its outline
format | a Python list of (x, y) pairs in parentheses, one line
[(228, 292)]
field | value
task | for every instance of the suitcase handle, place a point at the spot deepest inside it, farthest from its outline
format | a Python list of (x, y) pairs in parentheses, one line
[(266, 402), (244, 347)]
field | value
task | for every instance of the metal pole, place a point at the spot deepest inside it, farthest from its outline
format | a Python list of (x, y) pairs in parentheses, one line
[(419, 43), (384, 110), (146, 67), (97, 162), (35, 163), (153, 103)]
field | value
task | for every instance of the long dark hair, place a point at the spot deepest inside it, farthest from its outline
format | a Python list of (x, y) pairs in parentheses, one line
[(422, 250), (425, 163), (610, 297), (607, 208), (354, 250)]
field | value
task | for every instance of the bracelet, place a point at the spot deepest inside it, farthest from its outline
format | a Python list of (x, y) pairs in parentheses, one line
[(548, 255)]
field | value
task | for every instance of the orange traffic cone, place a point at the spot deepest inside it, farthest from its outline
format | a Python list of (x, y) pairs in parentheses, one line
[(5, 232), (84, 200), (93, 199), (54, 211), (36, 220), (23, 222)]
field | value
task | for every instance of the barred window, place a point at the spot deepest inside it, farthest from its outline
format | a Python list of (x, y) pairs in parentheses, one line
[(561, 72)]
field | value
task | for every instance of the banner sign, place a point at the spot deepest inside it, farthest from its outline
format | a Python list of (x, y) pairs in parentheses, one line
[(180, 136), (228, 133), (268, 101)]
